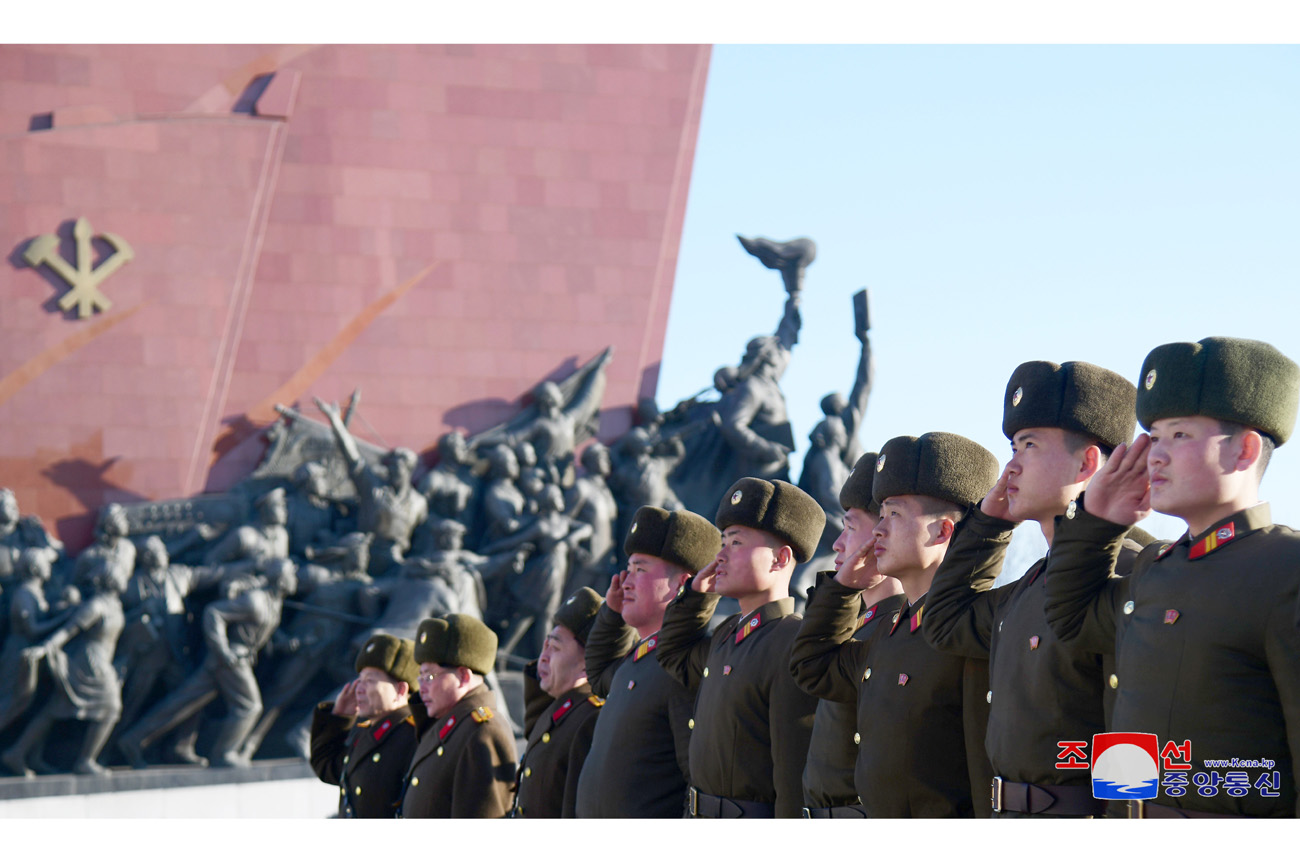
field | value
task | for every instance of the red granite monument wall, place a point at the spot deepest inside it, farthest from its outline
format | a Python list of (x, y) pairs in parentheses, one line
[(439, 226)]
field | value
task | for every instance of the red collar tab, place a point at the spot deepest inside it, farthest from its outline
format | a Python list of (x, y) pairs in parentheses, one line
[(645, 647), (564, 708), (869, 615), (750, 624), (446, 727), (1037, 571), (383, 728), (915, 621), (1212, 542)]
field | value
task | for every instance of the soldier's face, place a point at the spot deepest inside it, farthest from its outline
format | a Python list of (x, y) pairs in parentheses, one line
[(563, 663), (378, 693), (1189, 465), (1040, 474), (907, 539), (859, 529), (746, 563), (439, 688), (650, 584)]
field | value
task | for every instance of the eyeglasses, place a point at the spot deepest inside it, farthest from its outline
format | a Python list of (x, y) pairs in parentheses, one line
[(428, 679)]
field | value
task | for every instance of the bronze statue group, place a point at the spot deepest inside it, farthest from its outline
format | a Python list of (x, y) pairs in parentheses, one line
[(652, 609)]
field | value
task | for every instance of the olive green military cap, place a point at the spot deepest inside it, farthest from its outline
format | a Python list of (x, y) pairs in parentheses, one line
[(856, 492), (578, 612), (1242, 381), (1075, 396), (776, 507), (682, 538), (392, 655), (456, 641), (942, 465)]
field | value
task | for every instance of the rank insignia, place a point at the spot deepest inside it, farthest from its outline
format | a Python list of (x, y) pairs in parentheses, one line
[(902, 679), (383, 729), (752, 623), (595, 701), (916, 618), (646, 646), (1033, 642), (1213, 541), (481, 715), (1171, 616)]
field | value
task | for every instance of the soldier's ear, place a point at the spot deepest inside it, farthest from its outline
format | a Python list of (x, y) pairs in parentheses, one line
[(783, 558)]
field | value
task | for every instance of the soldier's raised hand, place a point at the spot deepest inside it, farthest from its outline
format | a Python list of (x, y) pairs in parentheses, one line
[(706, 578), (614, 598), (859, 569), (346, 703), (995, 502), (1121, 490)]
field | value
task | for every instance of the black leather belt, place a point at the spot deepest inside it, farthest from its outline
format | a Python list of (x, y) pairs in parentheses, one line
[(1144, 809), (835, 812), (702, 805), (1044, 799)]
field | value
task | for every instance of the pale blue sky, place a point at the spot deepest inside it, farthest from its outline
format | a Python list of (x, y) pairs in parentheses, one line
[(1003, 204)]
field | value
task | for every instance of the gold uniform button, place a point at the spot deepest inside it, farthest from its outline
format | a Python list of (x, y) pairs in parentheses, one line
[(1071, 510), (690, 723), (415, 782), (1128, 607), (1114, 681), (706, 672), (375, 758), (439, 752), (528, 771), (346, 758), (546, 737), (857, 738), (866, 675), (357, 791), (988, 698)]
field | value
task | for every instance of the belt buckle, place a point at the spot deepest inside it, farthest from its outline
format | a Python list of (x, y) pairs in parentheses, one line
[(995, 793), (1136, 808), (694, 801), (807, 813)]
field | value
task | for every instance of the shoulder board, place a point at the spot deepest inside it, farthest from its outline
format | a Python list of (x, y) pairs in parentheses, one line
[(410, 720), (595, 701), (481, 715)]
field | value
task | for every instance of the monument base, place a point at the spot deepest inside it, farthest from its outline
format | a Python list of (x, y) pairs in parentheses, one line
[(269, 789)]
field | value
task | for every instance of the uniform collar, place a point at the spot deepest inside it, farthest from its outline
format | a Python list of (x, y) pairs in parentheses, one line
[(645, 647), (1223, 532), (562, 706), (770, 612)]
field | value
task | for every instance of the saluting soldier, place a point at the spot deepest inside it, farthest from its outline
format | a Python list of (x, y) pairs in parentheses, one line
[(1063, 420), (921, 712), (752, 722), (828, 787), (1207, 653), (464, 764), (560, 737), (640, 757), (364, 741)]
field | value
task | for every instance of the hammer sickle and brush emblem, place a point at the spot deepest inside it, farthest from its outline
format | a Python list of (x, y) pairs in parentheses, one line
[(83, 279)]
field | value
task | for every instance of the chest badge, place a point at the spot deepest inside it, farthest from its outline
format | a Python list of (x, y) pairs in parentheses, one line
[(1171, 616)]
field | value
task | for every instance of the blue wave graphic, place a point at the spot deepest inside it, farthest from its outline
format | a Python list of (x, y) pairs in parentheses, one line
[(1104, 790)]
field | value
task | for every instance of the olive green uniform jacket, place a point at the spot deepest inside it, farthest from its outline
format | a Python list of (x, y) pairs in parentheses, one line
[(1206, 647), (367, 760), (833, 752), (464, 765), (1042, 690), (752, 723), (558, 742), (639, 758), (922, 714)]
